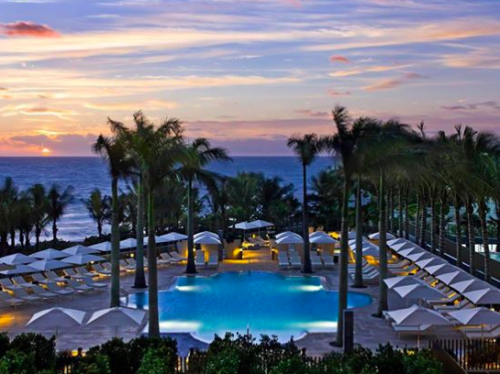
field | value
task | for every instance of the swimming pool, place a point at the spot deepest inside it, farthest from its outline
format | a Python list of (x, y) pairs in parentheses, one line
[(259, 302)]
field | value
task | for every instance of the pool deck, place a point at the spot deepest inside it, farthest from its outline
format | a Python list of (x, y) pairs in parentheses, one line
[(368, 331)]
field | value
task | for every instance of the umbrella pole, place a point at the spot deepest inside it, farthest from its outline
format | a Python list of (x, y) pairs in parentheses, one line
[(418, 337)]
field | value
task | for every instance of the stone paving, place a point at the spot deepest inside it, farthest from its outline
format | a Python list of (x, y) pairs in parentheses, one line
[(369, 331)]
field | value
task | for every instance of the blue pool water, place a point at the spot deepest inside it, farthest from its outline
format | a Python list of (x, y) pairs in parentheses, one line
[(263, 303)]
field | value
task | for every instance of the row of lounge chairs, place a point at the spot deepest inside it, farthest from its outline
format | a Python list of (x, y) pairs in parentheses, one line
[(292, 260)]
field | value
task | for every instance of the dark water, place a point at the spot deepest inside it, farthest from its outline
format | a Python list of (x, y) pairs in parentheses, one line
[(87, 173)]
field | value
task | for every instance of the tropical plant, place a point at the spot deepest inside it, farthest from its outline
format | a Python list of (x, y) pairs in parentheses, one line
[(58, 202), (99, 208)]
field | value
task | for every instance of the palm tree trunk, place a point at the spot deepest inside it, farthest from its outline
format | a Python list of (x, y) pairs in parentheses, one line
[(442, 222), (470, 236), (154, 318), (344, 253), (392, 210), (418, 218), (458, 230), (54, 232), (497, 212), (423, 224), (191, 266), (484, 234), (115, 246), (407, 213), (400, 211), (383, 303), (358, 276), (140, 278), (307, 267), (433, 221), (38, 232)]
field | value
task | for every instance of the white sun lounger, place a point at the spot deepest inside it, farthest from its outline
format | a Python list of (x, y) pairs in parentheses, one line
[(283, 261), (200, 258), (90, 282), (316, 261), (20, 293), (42, 292), (20, 281), (213, 260), (295, 261), (41, 279), (53, 287), (7, 299)]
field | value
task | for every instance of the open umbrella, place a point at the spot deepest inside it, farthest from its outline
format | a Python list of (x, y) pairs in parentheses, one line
[(286, 233), (102, 247), (290, 239), (488, 296), (80, 250), (476, 316), (376, 236), (50, 254), (439, 269), (402, 246), (454, 277), (419, 256), (82, 259), (418, 316), (419, 291), (402, 281), (174, 237), (206, 233), (19, 269), (56, 318), (207, 239), (427, 262), (469, 285), (128, 243), (117, 317), (245, 226), (47, 265), (405, 253), (261, 224), (17, 259), (392, 242), (322, 239)]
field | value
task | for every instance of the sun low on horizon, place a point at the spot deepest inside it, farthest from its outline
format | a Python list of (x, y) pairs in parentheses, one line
[(246, 74)]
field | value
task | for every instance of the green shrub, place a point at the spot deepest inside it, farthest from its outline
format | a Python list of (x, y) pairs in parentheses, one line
[(156, 361), (95, 364), (4, 344), (43, 349), (15, 362), (117, 353)]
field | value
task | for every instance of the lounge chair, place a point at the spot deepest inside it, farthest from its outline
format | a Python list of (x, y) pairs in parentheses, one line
[(400, 264), (6, 298), (80, 287), (72, 273), (327, 260), (7, 284), (283, 261), (90, 282), (53, 276), (101, 270), (295, 261), (21, 293), (82, 270), (53, 287), (461, 305), (213, 260), (316, 261), (42, 292), (39, 278), (445, 301), (177, 256), (20, 281), (164, 259), (124, 266)]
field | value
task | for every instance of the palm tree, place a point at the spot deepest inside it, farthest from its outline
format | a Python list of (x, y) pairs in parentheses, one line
[(38, 197), (113, 151), (8, 197), (198, 155), (58, 202), (99, 208), (306, 148)]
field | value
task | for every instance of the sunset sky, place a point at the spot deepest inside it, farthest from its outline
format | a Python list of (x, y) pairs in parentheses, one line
[(244, 73)]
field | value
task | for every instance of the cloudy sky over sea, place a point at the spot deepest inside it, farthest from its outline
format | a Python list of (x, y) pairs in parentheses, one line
[(245, 73)]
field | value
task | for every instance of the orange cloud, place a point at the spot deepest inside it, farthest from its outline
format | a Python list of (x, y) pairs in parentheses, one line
[(338, 58), (27, 28), (336, 93), (388, 84)]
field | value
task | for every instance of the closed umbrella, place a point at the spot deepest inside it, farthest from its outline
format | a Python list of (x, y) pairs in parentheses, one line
[(454, 277), (418, 316), (174, 237), (56, 318), (401, 281), (50, 254), (17, 259), (47, 265), (102, 247), (117, 317), (82, 259), (80, 250)]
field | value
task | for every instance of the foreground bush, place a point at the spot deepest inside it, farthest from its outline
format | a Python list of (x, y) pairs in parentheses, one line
[(34, 354)]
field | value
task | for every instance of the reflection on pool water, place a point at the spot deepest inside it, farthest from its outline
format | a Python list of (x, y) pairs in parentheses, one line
[(259, 302)]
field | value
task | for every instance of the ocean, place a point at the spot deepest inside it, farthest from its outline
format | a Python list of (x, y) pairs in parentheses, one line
[(87, 173)]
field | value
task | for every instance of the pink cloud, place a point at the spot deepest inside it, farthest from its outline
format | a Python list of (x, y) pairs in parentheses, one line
[(312, 113), (336, 93), (387, 84), (28, 28), (338, 58)]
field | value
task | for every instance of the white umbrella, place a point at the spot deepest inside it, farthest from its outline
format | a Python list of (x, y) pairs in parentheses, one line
[(17, 259), (402, 246), (376, 236), (487, 296), (401, 281), (419, 256), (371, 251), (19, 269), (439, 269), (117, 317), (418, 291), (290, 239), (392, 242), (244, 226), (427, 262), (454, 277), (128, 243), (46, 265), (418, 316), (322, 239), (318, 233), (79, 250), (469, 285), (411, 251), (351, 235), (206, 233), (50, 254), (102, 247), (56, 317), (208, 239), (476, 316), (82, 259), (261, 224), (286, 233), (174, 237)]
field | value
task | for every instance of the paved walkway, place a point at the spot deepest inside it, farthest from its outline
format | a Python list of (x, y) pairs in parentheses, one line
[(369, 331)]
